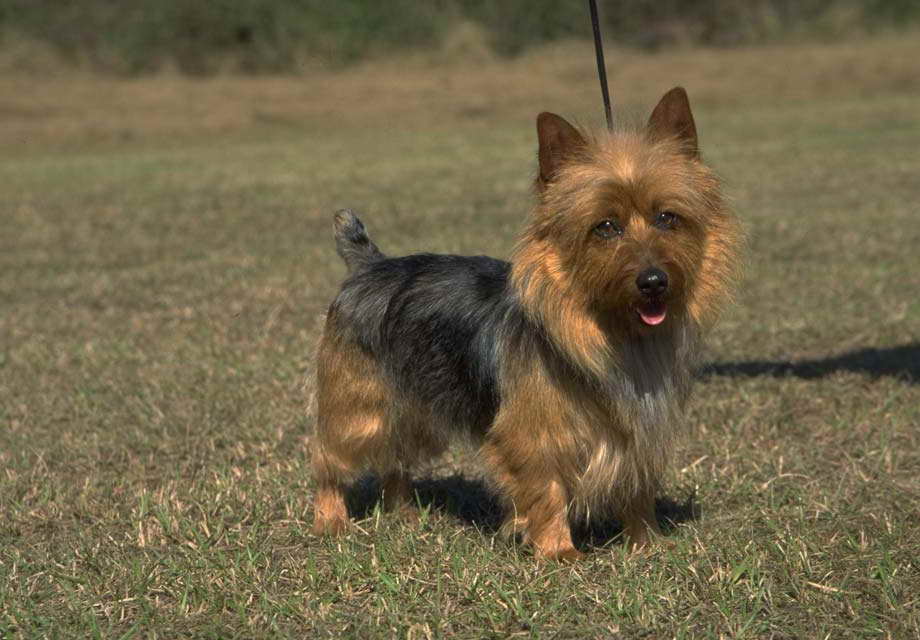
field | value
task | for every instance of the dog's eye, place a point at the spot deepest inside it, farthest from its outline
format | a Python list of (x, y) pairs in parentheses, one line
[(666, 220), (608, 229)]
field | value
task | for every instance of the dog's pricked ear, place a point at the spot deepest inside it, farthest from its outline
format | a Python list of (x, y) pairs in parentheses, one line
[(558, 140), (672, 118)]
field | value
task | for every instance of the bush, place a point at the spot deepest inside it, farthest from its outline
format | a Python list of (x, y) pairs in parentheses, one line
[(201, 36)]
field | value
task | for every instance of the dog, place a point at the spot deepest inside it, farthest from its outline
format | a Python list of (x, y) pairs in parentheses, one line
[(570, 364)]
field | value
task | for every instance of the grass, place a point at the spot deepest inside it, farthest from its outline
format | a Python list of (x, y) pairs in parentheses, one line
[(165, 259)]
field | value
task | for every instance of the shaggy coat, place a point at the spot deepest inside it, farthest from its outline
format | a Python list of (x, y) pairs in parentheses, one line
[(563, 364)]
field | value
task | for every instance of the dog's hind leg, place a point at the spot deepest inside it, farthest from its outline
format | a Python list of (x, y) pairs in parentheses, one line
[(351, 434), (639, 521), (414, 442), (397, 492)]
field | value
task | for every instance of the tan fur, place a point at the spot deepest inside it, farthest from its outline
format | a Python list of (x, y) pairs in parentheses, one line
[(612, 448), (596, 447), (360, 424)]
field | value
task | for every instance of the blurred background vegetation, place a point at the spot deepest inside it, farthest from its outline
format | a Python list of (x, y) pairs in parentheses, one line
[(270, 36)]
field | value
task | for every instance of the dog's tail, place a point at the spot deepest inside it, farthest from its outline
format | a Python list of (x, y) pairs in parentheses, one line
[(353, 243)]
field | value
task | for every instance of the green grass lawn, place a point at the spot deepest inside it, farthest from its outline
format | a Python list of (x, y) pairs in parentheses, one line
[(165, 263)]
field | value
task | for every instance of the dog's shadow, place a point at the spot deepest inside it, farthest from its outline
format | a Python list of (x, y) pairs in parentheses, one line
[(470, 501), (901, 362)]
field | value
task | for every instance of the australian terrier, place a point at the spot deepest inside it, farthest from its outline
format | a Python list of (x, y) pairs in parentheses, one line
[(570, 365)]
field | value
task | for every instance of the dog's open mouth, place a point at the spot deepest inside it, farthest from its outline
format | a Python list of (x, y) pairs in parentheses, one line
[(652, 312)]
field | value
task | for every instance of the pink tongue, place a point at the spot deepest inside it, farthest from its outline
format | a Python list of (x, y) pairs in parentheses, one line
[(653, 313)]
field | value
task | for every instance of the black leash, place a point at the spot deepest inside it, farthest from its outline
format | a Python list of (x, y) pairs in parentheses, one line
[(601, 68)]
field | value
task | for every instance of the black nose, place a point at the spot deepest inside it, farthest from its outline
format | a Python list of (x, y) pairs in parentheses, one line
[(652, 282)]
